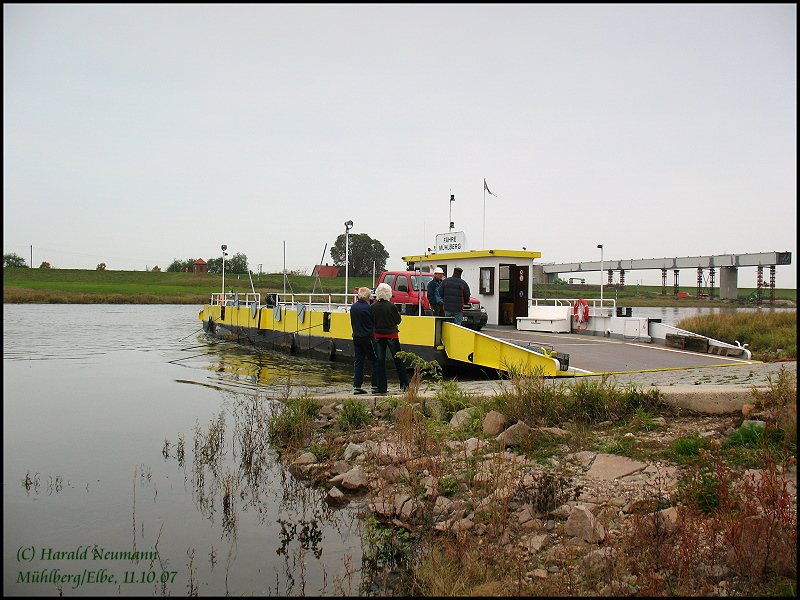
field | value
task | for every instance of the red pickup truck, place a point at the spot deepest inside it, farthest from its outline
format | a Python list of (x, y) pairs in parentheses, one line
[(409, 286)]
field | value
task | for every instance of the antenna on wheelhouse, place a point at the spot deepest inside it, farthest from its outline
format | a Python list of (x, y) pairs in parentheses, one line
[(452, 199)]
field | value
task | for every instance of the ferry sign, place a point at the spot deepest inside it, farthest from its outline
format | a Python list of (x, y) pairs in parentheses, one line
[(455, 241)]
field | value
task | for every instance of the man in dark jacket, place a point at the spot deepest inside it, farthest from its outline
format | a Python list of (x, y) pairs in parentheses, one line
[(434, 293), (455, 294), (386, 318), (363, 345)]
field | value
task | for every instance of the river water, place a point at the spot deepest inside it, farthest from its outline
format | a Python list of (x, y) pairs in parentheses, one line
[(90, 394), (97, 401)]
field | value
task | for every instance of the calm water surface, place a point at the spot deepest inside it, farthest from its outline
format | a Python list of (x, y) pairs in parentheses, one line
[(90, 394)]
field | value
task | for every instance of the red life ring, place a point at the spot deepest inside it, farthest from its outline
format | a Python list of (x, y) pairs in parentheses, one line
[(581, 310)]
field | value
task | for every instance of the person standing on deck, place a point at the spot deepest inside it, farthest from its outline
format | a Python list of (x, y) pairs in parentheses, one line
[(434, 293), (387, 339), (455, 294), (363, 344)]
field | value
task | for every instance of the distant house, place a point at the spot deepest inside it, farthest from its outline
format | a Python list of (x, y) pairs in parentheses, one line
[(200, 266), (326, 271)]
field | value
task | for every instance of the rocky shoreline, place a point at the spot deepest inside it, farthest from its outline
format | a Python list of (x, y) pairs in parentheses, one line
[(565, 518)]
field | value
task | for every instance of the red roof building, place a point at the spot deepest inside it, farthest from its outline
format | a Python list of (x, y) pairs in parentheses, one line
[(326, 271), (200, 266)]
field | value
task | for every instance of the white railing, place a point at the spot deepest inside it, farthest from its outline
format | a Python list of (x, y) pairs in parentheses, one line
[(235, 299), (318, 301), (595, 304)]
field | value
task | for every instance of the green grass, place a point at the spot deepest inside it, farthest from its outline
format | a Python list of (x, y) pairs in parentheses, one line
[(147, 287), (80, 286), (769, 335), (650, 295), (353, 415)]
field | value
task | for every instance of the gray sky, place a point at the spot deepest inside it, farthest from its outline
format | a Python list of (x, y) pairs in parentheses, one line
[(136, 134)]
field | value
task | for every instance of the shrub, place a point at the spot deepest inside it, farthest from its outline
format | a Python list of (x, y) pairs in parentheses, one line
[(353, 415), (290, 422)]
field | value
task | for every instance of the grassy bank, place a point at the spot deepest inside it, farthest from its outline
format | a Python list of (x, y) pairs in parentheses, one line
[(78, 286), (768, 335)]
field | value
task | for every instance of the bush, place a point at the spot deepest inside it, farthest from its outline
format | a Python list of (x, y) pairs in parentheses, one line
[(290, 422), (353, 415)]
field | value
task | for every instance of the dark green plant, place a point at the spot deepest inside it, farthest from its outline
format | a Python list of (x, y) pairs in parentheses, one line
[(448, 400), (449, 485), (385, 546), (353, 415), (686, 450), (428, 370), (290, 421)]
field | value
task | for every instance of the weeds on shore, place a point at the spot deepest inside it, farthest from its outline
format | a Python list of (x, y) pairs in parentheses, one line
[(726, 529), (538, 401), (769, 335), (712, 528), (290, 422)]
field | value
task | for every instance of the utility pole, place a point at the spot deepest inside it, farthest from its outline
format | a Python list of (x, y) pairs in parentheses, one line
[(31, 256)]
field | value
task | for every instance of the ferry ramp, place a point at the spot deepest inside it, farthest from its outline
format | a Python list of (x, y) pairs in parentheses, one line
[(476, 348), (593, 355)]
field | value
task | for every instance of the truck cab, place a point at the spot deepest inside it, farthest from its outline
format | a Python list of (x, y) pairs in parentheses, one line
[(411, 287)]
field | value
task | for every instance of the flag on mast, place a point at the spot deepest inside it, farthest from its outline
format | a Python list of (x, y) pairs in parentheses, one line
[(486, 187)]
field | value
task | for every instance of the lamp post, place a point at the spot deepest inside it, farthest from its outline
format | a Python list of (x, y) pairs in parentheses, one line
[(348, 225), (224, 247), (601, 274)]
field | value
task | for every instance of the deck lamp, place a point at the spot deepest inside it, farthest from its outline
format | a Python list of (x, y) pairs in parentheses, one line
[(601, 274), (348, 225), (224, 254)]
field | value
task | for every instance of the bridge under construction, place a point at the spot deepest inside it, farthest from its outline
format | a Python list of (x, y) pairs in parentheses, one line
[(706, 268)]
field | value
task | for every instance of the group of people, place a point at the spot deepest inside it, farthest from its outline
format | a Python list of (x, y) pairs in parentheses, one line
[(376, 332), (447, 297)]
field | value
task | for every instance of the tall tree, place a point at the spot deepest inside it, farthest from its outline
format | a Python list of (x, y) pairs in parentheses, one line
[(179, 266), (14, 261), (363, 251), (235, 264)]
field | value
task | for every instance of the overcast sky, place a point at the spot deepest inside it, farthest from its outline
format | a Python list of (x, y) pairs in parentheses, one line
[(137, 134)]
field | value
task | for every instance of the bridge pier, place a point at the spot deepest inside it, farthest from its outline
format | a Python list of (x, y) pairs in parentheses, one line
[(728, 283)]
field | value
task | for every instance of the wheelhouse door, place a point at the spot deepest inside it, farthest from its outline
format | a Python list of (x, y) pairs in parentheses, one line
[(519, 285)]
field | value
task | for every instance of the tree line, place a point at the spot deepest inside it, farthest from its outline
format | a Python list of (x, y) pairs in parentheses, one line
[(364, 254)]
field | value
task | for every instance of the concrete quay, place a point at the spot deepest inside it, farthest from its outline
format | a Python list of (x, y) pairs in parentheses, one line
[(702, 390)]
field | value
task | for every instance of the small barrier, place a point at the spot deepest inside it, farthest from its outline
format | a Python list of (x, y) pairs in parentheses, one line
[(553, 319)]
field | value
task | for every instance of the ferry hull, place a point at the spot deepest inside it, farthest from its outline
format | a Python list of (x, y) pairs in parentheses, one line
[(323, 335), (327, 335)]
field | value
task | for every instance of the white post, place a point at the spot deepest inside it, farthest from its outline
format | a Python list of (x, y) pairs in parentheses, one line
[(347, 226), (601, 274), (224, 247), (483, 239)]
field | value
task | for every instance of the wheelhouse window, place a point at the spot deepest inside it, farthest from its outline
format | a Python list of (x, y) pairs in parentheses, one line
[(487, 280)]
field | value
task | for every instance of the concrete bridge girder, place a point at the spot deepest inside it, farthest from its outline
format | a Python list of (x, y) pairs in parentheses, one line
[(728, 265)]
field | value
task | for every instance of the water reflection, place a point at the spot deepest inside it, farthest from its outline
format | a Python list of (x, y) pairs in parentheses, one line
[(233, 471), (94, 424), (235, 366)]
